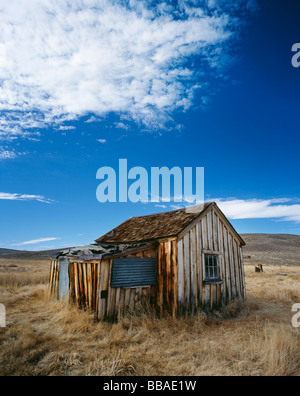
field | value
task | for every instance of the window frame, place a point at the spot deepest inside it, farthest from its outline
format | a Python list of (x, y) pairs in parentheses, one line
[(217, 256)]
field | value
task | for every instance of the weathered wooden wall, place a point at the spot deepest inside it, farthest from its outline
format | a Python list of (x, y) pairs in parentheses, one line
[(167, 278), (211, 234), (90, 288), (84, 283), (54, 274)]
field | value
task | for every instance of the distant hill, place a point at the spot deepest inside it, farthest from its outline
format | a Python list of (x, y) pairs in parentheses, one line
[(276, 249), (19, 254), (5, 252)]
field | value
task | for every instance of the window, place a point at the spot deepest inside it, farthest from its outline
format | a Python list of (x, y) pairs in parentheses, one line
[(133, 272), (211, 268)]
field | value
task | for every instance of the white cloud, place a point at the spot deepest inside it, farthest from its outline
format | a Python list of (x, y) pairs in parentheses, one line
[(6, 154), (284, 209), (93, 119), (24, 197), (102, 141), (64, 59), (161, 206), (35, 242), (66, 128), (121, 125)]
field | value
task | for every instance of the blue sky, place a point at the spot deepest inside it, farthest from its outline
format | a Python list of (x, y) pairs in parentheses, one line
[(181, 83)]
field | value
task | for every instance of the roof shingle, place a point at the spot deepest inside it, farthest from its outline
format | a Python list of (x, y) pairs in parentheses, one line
[(152, 227)]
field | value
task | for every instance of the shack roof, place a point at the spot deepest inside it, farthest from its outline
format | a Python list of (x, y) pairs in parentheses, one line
[(141, 233), (99, 251), (155, 226)]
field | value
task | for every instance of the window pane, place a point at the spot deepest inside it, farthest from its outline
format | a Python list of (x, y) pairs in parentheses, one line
[(211, 267), (216, 267), (206, 266)]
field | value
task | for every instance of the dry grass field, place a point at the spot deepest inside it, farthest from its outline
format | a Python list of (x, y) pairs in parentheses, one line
[(45, 337)]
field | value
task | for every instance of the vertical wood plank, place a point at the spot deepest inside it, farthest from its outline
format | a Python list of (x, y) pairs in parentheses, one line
[(232, 267), (104, 281), (214, 298), (167, 282), (237, 269), (194, 276), (160, 278), (199, 263), (97, 287), (205, 245), (132, 300), (110, 291), (215, 231), (100, 300), (117, 303), (90, 285), (218, 302), (211, 297), (112, 306), (121, 304), (76, 285), (222, 264), (180, 276), (242, 272), (174, 283), (227, 265), (127, 300), (80, 285), (209, 231), (187, 272), (72, 284), (85, 286), (206, 298)]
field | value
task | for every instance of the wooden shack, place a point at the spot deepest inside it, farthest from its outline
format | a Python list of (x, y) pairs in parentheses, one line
[(177, 262)]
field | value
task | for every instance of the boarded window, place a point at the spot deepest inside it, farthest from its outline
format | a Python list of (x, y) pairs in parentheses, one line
[(211, 268), (133, 272)]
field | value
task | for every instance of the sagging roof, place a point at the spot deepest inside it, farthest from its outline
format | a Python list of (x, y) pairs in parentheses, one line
[(140, 233), (98, 252), (156, 226)]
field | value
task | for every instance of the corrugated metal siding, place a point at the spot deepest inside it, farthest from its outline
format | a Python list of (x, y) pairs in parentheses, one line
[(133, 272)]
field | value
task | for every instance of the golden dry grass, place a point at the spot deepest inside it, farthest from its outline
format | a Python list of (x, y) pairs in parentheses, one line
[(252, 338)]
